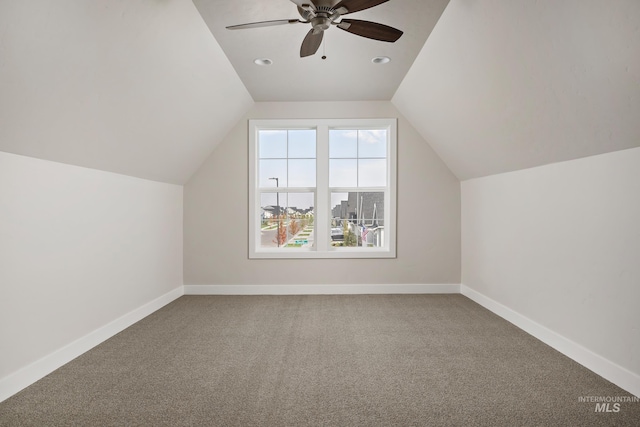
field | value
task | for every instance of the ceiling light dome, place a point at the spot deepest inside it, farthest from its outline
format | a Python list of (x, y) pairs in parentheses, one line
[(381, 60), (262, 61)]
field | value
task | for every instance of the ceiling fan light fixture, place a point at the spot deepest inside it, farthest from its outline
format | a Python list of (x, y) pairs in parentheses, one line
[(262, 61), (381, 60)]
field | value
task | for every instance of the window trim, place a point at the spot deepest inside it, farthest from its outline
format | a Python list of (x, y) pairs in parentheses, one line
[(322, 191)]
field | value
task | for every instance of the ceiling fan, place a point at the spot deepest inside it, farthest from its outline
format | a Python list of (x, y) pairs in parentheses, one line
[(321, 14)]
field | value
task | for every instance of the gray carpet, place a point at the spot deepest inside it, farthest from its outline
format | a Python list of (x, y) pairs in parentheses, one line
[(350, 360)]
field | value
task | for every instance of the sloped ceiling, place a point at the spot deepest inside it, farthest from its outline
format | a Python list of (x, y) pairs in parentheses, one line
[(347, 73), (142, 88), (507, 85), (138, 87)]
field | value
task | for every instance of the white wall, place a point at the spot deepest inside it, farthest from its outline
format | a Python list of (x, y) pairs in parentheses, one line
[(560, 245), (78, 249), (428, 214)]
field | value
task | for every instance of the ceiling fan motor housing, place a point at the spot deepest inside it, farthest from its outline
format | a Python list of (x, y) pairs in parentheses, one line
[(309, 12)]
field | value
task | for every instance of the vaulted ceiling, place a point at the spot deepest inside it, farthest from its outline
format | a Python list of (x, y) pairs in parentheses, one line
[(148, 88), (346, 74), (137, 87), (508, 85)]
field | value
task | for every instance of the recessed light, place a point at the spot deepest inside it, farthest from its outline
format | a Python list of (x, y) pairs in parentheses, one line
[(381, 60), (263, 61)]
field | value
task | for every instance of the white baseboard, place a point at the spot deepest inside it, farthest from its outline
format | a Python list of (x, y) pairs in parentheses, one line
[(26, 376), (618, 375), (319, 289)]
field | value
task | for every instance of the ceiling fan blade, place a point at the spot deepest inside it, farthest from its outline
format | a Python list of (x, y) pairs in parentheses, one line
[(311, 43), (370, 30), (356, 5), (263, 24)]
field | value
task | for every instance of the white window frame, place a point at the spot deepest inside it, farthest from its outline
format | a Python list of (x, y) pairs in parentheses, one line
[(322, 208)]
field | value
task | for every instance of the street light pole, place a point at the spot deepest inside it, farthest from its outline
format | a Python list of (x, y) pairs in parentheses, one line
[(277, 210)]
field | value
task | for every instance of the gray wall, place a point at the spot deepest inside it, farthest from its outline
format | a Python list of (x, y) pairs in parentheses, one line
[(560, 245), (216, 217)]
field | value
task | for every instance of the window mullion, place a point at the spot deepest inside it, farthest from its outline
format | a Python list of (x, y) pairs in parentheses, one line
[(322, 185), (254, 194)]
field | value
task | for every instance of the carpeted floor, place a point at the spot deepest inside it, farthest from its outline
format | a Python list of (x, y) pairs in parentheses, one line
[(348, 360)]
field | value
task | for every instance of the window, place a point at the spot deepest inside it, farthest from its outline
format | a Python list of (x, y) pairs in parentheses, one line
[(322, 188)]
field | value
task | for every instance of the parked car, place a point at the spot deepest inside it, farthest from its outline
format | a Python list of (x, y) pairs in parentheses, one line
[(337, 234)]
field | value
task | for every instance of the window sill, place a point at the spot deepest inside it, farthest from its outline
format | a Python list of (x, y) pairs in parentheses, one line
[(337, 253)]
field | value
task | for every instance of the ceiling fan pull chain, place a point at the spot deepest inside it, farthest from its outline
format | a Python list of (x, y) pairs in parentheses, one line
[(324, 51)]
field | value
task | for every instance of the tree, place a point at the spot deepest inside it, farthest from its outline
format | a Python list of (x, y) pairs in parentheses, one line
[(281, 234), (294, 227), (350, 238)]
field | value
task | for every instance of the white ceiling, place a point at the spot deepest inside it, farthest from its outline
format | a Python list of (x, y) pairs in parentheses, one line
[(507, 85), (346, 75), (142, 88), (135, 87)]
